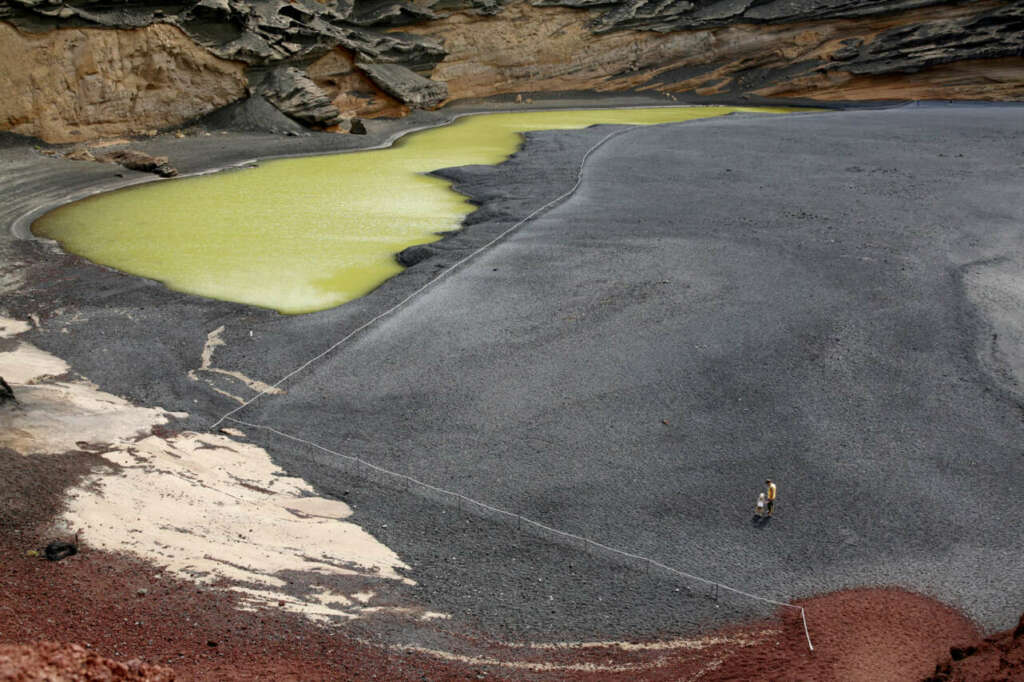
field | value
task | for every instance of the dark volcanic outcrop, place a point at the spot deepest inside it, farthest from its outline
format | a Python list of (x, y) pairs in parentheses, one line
[(6, 393), (406, 86), (294, 94), (682, 15), (133, 159), (323, 62)]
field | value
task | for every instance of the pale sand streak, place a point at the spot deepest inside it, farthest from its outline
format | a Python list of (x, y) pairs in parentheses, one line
[(213, 340), (679, 645)]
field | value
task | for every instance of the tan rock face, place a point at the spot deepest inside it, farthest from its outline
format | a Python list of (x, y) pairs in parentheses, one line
[(536, 49), (77, 84)]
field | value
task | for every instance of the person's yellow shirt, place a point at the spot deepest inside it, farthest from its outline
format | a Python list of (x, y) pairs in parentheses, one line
[(771, 491)]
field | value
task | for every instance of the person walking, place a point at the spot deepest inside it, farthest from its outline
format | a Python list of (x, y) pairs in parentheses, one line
[(770, 493)]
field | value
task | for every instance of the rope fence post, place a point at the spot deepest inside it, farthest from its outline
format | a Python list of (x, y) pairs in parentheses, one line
[(803, 616)]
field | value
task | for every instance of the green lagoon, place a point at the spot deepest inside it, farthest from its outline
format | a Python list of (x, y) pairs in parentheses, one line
[(305, 234)]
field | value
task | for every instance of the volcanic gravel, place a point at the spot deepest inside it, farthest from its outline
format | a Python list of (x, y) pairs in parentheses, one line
[(721, 301)]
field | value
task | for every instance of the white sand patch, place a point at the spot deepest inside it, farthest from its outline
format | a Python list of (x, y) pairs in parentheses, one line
[(434, 615), (9, 327), (56, 416), (321, 606), (204, 506), (13, 279), (691, 643), (26, 363), (407, 611), (363, 597), (540, 666), (674, 645), (211, 508), (213, 341)]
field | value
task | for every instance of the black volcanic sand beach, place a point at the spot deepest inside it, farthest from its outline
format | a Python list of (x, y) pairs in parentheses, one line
[(799, 297)]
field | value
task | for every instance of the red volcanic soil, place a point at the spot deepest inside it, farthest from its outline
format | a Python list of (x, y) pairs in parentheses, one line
[(53, 661), (869, 635), (865, 635), (115, 607), (999, 658), (93, 599)]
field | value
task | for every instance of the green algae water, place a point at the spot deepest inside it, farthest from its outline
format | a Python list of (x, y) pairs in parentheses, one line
[(306, 234)]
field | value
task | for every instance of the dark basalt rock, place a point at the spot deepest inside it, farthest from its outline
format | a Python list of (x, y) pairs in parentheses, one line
[(388, 13), (681, 15), (258, 32), (253, 113), (56, 550), (480, 7), (139, 161), (990, 34), (356, 127), (6, 393), (413, 255), (297, 96), (405, 85)]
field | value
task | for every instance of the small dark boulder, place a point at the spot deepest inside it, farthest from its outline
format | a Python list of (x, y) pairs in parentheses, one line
[(356, 127), (413, 255), (959, 653), (57, 550), (6, 393), (139, 161)]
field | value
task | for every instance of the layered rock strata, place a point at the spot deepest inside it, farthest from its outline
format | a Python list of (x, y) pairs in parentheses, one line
[(875, 58), (158, 63)]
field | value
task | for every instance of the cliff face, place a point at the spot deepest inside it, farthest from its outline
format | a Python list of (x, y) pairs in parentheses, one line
[(99, 68), (76, 84), (930, 53)]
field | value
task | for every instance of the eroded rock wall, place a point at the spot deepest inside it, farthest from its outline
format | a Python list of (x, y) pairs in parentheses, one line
[(871, 58), (100, 68), (75, 84)]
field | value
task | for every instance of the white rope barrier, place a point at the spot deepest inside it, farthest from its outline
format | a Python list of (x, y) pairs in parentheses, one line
[(520, 519), (409, 480), (533, 214)]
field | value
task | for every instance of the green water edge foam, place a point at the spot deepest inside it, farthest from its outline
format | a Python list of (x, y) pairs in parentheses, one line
[(305, 234)]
